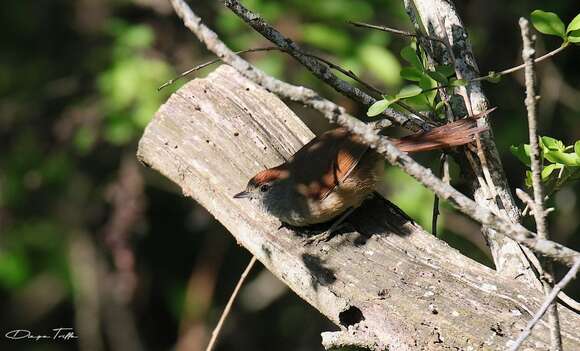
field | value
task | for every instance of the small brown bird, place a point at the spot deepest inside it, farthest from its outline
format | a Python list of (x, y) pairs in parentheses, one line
[(336, 172)]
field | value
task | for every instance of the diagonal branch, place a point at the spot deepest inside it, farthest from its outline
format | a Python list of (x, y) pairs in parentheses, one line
[(209, 63), (545, 305), (216, 332), (390, 30), (320, 70)]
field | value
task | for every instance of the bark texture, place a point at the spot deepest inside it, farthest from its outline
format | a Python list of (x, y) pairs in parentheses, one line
[(439, 18), (383, 280)]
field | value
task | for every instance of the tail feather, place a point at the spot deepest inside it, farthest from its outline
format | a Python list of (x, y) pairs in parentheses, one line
[(452, 134)]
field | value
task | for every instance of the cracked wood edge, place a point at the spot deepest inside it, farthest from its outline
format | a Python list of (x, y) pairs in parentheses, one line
[(413, 291)]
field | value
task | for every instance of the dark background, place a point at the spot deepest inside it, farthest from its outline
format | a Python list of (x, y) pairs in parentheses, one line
[(90, 239)]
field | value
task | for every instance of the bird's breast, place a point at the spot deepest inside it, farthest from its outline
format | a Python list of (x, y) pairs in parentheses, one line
[(351, 192)]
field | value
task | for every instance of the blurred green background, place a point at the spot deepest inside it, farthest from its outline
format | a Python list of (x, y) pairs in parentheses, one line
[(91, 240)]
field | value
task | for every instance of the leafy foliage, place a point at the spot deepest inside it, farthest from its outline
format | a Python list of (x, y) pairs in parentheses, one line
[(422, 94), (548, 23), (551, 24), (125, 87), (561, 163)]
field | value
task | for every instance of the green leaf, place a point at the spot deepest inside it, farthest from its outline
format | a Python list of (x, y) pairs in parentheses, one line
[(379, 106), (409, 91), (427, 83), (549, 169), (568, 159), (543, 147), (412, 74), (522, 152), (457, 82), (574, 36), (528, 179), (410, 55), (574, 24), (577, 147), (446, 70), (548, 23), (438, 77), (552, 144), (439, 107)]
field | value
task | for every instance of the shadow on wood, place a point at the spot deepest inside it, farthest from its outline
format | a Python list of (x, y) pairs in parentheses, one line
[(383, 280)]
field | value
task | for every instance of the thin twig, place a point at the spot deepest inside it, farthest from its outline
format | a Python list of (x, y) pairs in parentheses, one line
[(528, 53), (203, 65), (526, 199), (545, 305), (383, 28), (393, 30), (330, 64), (531, 106), (367, 85), (218, 327), (464, 92), (523, 65), (444, 174), (321, 71), (337, 114), (381, 124), (485, 167)]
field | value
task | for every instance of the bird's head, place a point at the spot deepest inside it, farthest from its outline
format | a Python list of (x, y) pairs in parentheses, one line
[(265, 186)]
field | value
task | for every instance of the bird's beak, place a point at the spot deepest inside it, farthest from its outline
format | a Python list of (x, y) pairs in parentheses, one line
[(242, 195)]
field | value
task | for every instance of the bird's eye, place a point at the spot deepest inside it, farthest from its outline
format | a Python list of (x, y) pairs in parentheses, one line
[(264, 188)]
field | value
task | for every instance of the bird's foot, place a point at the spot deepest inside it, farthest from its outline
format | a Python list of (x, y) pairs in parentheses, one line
[(317, 238), (326, 235)]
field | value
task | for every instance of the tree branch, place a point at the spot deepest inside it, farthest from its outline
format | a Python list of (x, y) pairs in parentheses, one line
[(209, 63), (528, 54), (384, 29), (545, 305), (321, 71), (523, 65), (216, 332)]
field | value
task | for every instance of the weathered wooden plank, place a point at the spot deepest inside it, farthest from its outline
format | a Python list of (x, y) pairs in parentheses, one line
[(384, 278)]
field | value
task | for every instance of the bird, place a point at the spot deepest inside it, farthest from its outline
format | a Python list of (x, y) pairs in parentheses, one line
[(335, 172)]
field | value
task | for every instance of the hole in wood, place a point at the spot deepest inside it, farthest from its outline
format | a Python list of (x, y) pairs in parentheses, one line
[(350, 316)]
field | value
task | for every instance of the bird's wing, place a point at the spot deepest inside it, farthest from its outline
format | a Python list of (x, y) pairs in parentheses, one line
[(327, 161)]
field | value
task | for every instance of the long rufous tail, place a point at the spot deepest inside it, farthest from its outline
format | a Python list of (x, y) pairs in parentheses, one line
[(452, 134)]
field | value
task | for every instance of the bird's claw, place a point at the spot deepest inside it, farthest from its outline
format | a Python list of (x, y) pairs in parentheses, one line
[(324, 236), (317, 238)]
